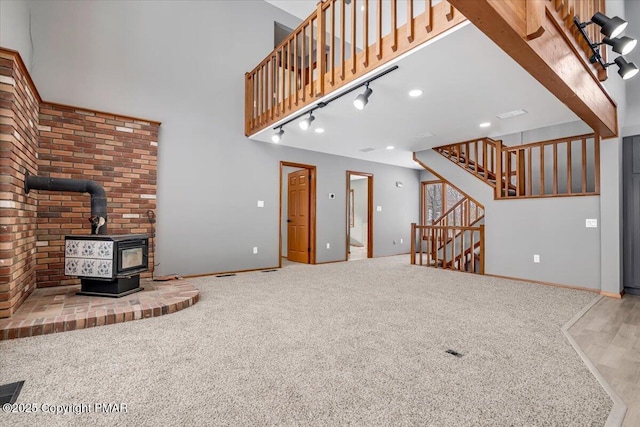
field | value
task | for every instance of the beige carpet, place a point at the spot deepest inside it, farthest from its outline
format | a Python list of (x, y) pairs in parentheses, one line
[(360, 343)]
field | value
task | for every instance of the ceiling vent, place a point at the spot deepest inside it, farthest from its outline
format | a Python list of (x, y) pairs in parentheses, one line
[(366, 150), (424, 135), (510, 114)]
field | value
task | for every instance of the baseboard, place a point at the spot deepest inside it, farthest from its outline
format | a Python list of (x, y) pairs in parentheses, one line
[(193, 276), (612, 294), (538, 282)]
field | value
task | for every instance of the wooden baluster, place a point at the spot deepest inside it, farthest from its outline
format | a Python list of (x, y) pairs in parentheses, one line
[(507, 170), (596, 162), (428, 16), (332, 48), (461, 259), (247, 103), (475, 157), (473, 253), (529, 171), (521, 173), (444, 248), (321, 50), (379, 25), (569, 177), (413, 243), (311, 61), (296, 68), (303, 59), (485, 164), (365, 34), (584, 165), (290, 72), (555, 168), (542, 189), (343, 43), (353, 36), (448, 10), (498, 169), (273, 93), (263, 94), (394, 25), (410, 21)]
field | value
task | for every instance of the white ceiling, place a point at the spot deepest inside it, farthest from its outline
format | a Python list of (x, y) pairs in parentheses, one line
[(466, 80), (299, 8)]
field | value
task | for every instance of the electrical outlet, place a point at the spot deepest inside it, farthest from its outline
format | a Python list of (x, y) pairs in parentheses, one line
[(401, 241), (536, 258), (255, 249), (328, 245), (591, 223), (261, 203), (378, 208)]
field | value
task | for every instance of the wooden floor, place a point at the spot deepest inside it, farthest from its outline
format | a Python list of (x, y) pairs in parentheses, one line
[(609, 334)]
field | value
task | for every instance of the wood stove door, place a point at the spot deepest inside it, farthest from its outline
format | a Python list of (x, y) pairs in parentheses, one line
[(298, 223)]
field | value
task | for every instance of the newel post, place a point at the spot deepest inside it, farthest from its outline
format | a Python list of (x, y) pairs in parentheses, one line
[(482, 249), (413, 243)]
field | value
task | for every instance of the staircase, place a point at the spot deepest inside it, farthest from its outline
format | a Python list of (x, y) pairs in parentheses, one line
[(455, 240), (560, 167)]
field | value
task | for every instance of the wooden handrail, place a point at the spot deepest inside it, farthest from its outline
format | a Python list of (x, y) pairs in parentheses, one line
[(305, 65)]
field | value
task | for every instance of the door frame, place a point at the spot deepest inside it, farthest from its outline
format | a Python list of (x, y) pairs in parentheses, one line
[(369, 212), (312, 209)]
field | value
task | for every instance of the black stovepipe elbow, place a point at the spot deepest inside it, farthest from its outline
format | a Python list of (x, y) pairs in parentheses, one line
[(98, 195)]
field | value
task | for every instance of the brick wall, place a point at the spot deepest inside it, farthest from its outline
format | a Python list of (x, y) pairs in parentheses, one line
[(119, 153), (18, 153)]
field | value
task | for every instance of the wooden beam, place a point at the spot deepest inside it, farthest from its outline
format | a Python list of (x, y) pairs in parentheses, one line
[(552, 58)]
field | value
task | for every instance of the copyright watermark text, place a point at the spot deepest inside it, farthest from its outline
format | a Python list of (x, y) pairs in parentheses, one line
[(66, 409)]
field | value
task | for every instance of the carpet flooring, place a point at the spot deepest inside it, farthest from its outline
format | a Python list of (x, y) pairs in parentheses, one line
[(360, 343)]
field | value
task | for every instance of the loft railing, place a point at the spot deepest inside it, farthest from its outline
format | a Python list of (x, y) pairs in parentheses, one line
[(464, 250), (559, 167), (335, 45)]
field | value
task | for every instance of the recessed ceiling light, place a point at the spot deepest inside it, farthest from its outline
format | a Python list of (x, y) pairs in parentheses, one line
[(415, 93), (319, 130), (485, 125), (390, 147)]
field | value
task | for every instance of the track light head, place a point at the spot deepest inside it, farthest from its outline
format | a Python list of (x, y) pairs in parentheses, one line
[(610, 27), (625, 69), (306, 123), (622, 45), (361, 100), (277, 137)]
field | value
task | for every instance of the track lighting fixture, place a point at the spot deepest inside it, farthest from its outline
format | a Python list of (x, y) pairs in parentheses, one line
[(622, 45), (277, 137), (306, 123), (625, 69), (611, 28), (361, 100)]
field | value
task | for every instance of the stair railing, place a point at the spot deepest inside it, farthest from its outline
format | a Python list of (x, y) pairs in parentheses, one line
[(465, 251)]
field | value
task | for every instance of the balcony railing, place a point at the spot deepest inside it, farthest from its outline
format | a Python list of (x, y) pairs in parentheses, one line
[(334, 46)]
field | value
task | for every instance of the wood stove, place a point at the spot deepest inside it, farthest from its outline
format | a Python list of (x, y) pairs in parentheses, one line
[(107, 265)]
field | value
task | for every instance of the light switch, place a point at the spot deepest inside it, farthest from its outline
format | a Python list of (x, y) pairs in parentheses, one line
[(261, 203), (379, 208), (591, 223)]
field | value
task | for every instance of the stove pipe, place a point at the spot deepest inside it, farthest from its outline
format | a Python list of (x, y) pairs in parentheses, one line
[(98, 196)]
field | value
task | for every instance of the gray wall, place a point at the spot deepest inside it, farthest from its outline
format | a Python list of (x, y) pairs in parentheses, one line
[(183, 63), (14, 28)]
